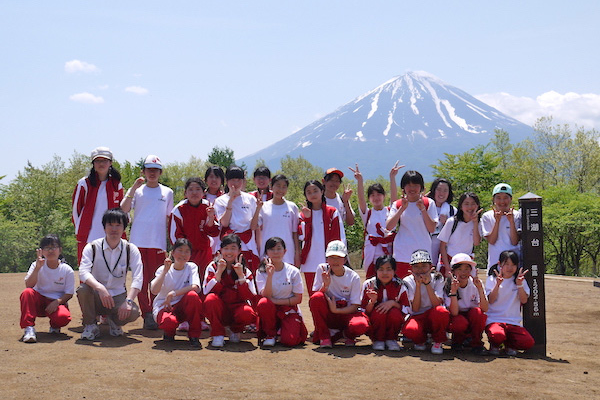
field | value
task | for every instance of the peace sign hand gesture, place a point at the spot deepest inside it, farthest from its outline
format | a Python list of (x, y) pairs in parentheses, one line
[(521, 276), (395, 169), (357, 174), (347, 194), (39, 261)]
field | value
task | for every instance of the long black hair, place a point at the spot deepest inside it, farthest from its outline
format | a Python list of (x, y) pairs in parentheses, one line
[(112, 173), (320, 186), (382, 260), (505, 255), (269, 244), (434, 186), (460, 215)]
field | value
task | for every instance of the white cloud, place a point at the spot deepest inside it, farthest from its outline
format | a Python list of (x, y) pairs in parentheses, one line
[(80, 66), (137, 90), (570, 108), (86, 98)]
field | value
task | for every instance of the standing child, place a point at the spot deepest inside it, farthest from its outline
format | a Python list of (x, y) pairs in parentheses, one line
[(235, 211), (414, 217), (332, 182), (280, 284), (507, 291), (101, 190), (151, 203), (278, 217), (194, 219), (501, 225), (377, 238), (319, 225), (461, 232), (380, 300), (464, 297), (336, 300), (50, 284), (215, 179), (176, 286), (424, 292), (441, 193), (229, 290), (262, 177)]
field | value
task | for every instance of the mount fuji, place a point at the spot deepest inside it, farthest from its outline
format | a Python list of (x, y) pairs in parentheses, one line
[(414, 118)]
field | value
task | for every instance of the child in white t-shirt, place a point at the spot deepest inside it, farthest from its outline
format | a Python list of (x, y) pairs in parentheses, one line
[(50, 284), (441, 193), (280, 285), (507, 291)]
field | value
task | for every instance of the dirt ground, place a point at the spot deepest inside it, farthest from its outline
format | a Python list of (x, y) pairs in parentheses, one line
[(140, 366)]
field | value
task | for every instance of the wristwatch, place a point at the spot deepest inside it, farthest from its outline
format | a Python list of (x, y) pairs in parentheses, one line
[(130, 302)]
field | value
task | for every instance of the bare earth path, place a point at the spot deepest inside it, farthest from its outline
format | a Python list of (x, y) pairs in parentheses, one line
[(140, 366)]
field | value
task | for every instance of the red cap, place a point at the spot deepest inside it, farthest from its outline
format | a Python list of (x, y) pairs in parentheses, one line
[(334, 171)]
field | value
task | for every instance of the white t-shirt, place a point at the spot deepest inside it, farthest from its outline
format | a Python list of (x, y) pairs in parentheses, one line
[(468, 297), (338, 204), (377, 219), (242, 213), (507, 307), (346, 287), (279, 221), (412, 234), (174, 280), (445, 209), (411, 287), (284, 284), (53, 283), (503, 242), (461, 241), (97, 230), (316, 254), (151, 207)]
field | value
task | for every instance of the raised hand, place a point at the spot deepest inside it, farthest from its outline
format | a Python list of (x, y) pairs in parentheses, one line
[(210, 212), (238, 267), (395, 169), (420, 203), (497, 213), (39, 261), (138, 183), (347, 194), (371, 294), (269, 266), (306, 212), (454, 285), (499, 278), (357, 174), (509, 215), (405, 202), (521, 276), (221, 263), (168, 262)]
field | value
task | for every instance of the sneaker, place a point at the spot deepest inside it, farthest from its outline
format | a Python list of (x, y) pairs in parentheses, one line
[(511, 352), (234, 337), (204, 325), (53, 330), (195, 343), (270, 342), (90, 332), (115, 330), (325, 344), (495, 351), (184, 326), (479, 351), (218, 341), (149, 322), (349, 342), (420, 347), (392, 345), (251, 328), (168, 338), (436, 348), (29, 335), (378, 345)]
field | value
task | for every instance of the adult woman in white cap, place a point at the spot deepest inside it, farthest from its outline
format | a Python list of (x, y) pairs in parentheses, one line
[(99, 191)]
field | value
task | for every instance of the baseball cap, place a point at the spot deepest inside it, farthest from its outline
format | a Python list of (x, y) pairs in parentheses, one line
[(420, 256), (334, 171), (462, 258), (502, 188), (102, 152), (152, 161), (336, 248)]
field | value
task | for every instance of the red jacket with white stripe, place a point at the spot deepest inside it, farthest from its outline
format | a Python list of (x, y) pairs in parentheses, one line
[(189, 222), (331, 224)]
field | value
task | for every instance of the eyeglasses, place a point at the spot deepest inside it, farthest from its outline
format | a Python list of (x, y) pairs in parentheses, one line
[(48, 248)]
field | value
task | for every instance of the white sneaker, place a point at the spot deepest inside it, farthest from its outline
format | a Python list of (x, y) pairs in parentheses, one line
[(54, 330), (184, 326), (29, 335), (378, 345), (218, 341), (234, 337), (392, 345), (90, 332), (115, 330), (267, 342), (436, 348), (420, 347), (511, 352)]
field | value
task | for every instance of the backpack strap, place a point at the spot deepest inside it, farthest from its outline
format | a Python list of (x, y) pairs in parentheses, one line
[(127, 251), (454, 225), (451, 210)]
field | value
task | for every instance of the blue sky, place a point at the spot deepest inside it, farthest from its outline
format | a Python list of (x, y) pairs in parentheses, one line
[(178, 78)]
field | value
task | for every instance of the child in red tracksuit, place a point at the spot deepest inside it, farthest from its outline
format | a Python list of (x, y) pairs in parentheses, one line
[(176, 288), (465, 299), (229, 290), (194, 219), (280, 284), (380, 300), (425, 291)]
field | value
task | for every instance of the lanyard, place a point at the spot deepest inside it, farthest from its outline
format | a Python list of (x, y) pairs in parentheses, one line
[(106, 262)]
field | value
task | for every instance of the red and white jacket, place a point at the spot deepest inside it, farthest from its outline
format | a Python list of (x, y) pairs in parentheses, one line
[(228, 289), (84, 203), (331, 224), (190, 222)]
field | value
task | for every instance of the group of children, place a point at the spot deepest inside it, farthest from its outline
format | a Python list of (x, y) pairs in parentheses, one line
[(237, 258)]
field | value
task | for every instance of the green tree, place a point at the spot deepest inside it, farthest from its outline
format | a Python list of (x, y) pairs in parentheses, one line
[(221, 156), (298, 171), (176, 174)]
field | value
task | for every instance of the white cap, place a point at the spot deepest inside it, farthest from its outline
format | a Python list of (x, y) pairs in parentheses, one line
[(152, 161), (102, 152), (336, 248), (420, 256), (462, 258)]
